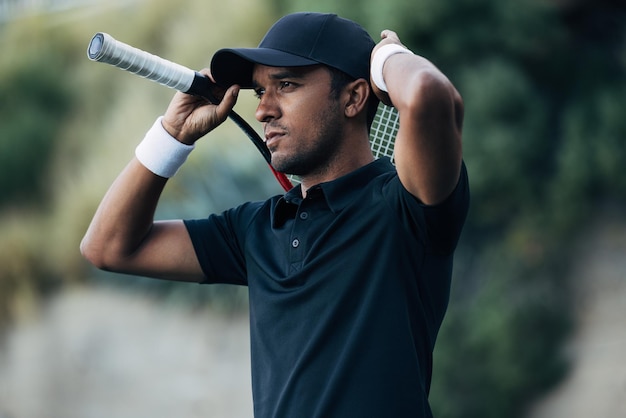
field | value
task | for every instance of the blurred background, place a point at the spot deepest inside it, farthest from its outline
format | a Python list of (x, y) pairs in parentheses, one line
[(536, 322)]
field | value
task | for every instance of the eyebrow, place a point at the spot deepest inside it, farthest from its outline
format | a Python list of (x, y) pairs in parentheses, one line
[(286, 72), (289, 73)]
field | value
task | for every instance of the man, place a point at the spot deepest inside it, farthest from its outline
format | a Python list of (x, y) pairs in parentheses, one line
[(348, 273)]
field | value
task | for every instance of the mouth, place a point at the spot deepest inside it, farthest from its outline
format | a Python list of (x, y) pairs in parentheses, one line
[(272, 138)]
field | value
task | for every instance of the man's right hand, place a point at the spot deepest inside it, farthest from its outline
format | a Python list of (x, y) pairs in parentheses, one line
[(188, 117)]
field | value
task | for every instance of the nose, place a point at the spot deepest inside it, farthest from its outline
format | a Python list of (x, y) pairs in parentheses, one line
[(267, 108)]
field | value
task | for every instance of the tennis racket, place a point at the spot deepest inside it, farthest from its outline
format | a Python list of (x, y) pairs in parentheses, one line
[(104, 48)]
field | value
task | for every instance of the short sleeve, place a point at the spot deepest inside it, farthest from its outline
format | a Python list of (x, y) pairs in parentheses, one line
[(444, 221), (218, 243)]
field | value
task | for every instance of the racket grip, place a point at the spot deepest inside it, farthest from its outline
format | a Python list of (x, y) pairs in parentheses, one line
[(104, 48)]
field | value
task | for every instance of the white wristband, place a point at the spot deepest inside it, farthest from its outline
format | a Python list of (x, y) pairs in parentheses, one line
[(378, 61), (160, 152)]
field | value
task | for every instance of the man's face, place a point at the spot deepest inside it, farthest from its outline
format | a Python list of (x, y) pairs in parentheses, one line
[(301, 119)]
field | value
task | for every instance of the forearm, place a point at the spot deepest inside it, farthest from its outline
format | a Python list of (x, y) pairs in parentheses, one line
[(428, 148), (124, 217), (416, 85)]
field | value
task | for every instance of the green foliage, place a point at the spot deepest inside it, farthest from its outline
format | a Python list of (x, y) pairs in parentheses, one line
[(592, 155), (505, 130), (35, 100), (501, 343)]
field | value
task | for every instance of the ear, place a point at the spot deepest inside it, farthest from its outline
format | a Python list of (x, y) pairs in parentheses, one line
[(357, 93)]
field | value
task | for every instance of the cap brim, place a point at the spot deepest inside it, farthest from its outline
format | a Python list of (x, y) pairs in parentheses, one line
[(235, 65)]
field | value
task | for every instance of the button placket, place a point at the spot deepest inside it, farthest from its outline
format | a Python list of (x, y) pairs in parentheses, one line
[(298, 234)]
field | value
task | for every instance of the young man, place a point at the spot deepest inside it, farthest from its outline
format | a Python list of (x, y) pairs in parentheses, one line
[(348, 273)]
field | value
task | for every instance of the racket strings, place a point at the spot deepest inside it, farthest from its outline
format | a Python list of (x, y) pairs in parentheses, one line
[(382, 134)]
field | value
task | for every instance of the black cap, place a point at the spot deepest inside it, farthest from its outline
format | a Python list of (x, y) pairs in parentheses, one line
[(297, 40)]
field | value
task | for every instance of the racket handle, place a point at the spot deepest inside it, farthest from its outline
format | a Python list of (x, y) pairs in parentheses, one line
[(104, 48)]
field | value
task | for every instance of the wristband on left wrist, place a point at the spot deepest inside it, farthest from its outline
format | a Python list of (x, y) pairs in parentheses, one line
[(379, 59)]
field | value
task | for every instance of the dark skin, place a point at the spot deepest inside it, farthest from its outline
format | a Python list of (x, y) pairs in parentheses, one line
[(308, 131)]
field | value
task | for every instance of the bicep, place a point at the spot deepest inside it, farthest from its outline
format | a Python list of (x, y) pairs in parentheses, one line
[(166, 252)]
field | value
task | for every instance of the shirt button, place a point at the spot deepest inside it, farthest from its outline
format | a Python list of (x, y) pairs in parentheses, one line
[(304, 215), (295, 243)]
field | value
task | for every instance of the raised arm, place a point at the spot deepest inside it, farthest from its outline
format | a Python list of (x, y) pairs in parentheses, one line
[(428, 148), (123, 236)]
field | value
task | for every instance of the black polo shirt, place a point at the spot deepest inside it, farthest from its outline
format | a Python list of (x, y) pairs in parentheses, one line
[(348, 288)]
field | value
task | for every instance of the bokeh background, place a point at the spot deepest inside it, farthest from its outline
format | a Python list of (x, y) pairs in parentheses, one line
[(536, 326)]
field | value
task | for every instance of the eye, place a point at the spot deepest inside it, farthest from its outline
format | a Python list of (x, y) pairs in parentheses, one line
[(258, 92), (285, 85)]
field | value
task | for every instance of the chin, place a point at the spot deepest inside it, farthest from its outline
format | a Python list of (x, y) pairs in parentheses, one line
[(286, 166), (282, 162), (296, 164)]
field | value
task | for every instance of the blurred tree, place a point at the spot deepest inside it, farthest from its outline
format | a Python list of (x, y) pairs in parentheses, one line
[(35, 100)]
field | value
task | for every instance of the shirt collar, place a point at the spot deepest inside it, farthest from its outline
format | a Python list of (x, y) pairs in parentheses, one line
[(337, 193)]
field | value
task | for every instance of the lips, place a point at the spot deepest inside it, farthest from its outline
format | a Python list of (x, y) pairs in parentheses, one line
[(272, 136)]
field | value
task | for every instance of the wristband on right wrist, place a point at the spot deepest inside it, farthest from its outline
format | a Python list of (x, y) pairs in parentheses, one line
[(160, 152)]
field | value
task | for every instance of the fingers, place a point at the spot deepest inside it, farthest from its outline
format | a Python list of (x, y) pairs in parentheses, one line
[(227, 103), (188, 118), (207, 72), (389, 37), (389, 34)]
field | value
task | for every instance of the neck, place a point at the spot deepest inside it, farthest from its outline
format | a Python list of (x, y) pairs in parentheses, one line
[(352, 156)]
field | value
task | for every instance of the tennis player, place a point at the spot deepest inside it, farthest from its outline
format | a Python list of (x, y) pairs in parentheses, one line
[(348, 273)]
